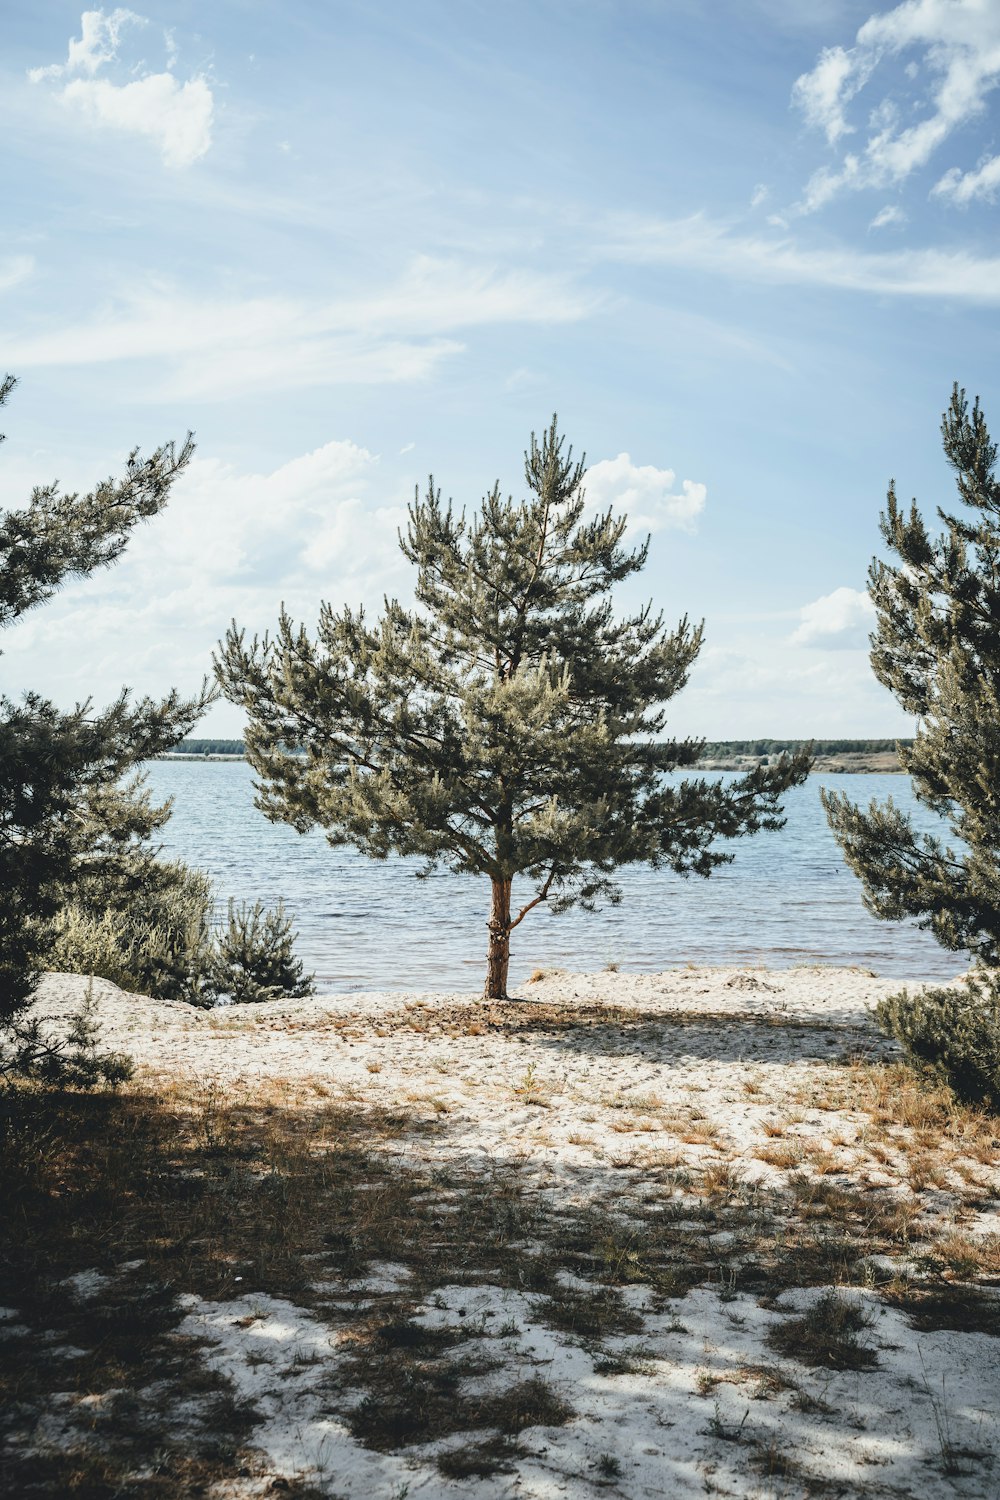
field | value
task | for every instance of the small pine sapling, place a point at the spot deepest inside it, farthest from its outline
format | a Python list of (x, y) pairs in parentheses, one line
[(254, 958), (953, 1035)]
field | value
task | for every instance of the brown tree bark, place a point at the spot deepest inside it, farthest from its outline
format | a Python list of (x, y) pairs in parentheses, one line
[(498, 958)]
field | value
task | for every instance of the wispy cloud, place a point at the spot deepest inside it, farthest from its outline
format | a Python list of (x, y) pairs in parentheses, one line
[(891, 214), (215, 348), (708, 245), (15, 269), (97, 44), (176, 116), (958, 42), (966, 187)]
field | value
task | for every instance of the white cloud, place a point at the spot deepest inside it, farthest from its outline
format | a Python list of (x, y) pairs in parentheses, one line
[(965, 187), (708, 245), (230, 544), (826, 183), (176, 116), (97, 44), (760, 195), (959, 42), (213, 349), (841, 619), (647, 495), (228, 525), (823, 93), (891, 214), (757, 685)]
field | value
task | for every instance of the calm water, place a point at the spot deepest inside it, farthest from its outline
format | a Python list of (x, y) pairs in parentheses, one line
[(787, 898)]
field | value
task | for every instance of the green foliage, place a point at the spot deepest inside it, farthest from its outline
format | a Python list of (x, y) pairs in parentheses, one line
[(207, 747), (716, 749), (711, 748), (162, 943), (937, 648), (69, 1061), (254, 958), (154, 941), (509, 725), (62, 804), (952, 1034)]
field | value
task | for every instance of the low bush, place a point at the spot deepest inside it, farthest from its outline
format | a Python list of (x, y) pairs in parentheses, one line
[(157, 942), (254, 957), (161, 942), (953, 1035)]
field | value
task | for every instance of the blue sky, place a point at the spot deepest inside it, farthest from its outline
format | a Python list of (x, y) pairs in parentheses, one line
[(742, 247)]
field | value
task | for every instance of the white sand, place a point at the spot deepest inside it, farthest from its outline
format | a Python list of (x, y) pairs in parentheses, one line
[(705, 1064)]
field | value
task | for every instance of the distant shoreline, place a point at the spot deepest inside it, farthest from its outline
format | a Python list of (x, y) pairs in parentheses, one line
[(194, 755), (859, 762)]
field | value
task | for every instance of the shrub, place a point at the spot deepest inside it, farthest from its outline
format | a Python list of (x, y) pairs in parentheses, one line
[(254, 958), (157, 943), (163, 945), (953, 1035), (830, 1335)]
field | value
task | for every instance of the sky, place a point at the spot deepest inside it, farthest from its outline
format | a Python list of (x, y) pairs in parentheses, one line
[(742, 247)]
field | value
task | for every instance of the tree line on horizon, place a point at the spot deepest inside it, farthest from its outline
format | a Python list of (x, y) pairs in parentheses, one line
[(510, 725), (711, 749)]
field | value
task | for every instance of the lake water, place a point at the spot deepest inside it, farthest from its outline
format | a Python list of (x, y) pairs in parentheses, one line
[(787, 899)]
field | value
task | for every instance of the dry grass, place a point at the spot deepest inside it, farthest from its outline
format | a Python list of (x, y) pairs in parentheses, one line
[(828, 1336), (414, 1393), (969, 1256), (721, 1180), (787, 1155)]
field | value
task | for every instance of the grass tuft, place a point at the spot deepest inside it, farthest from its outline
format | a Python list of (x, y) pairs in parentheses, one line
[(828, 1336)]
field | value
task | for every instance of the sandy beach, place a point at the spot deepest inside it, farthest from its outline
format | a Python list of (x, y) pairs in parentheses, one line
[(699, 1224)]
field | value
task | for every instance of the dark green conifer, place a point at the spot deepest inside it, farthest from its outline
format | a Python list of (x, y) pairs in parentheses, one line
[(65, 814), (254, 957), (936, 647), (508, 725)]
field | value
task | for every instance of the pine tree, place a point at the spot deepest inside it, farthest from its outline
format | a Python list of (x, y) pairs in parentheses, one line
[(506, 726), (254, 957), (64, 811), (936, 647)]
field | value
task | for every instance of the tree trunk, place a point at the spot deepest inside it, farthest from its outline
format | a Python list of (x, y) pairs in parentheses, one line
[(498, 959)]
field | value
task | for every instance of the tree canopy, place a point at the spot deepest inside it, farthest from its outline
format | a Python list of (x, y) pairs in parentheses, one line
[(64, 810), (936, 647), (509, 724)]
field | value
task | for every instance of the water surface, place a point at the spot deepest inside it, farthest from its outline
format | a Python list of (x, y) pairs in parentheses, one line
[(787, 899)]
